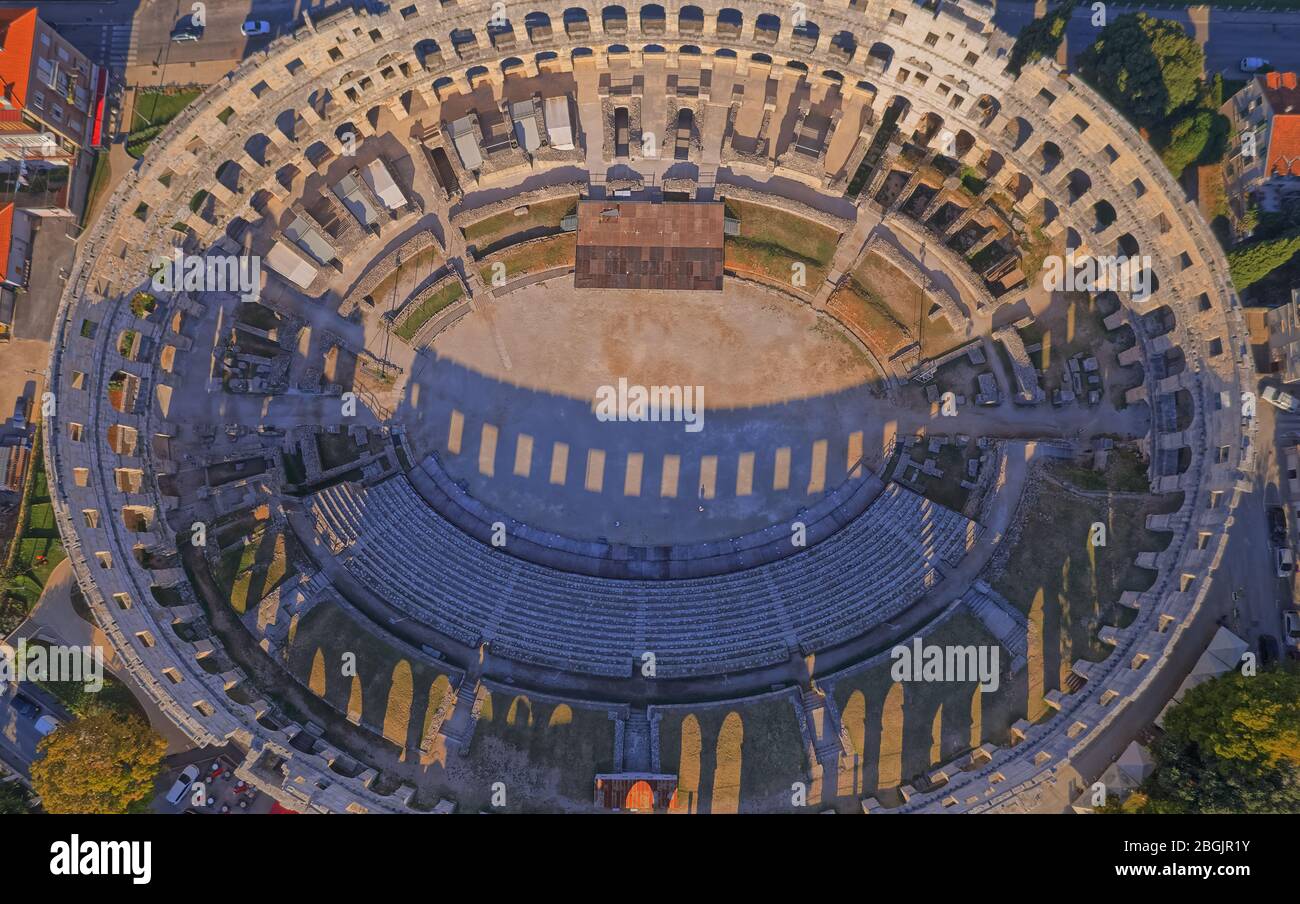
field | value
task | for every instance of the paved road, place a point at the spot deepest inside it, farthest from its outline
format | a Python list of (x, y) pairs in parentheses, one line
[(128, 32), (18, 734), (1231, 34), (139, 31)]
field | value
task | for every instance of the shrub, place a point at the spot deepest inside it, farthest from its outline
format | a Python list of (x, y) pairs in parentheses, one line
[(1252, 262)]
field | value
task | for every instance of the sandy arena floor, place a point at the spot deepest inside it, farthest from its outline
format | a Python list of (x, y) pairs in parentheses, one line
[(787, 397)]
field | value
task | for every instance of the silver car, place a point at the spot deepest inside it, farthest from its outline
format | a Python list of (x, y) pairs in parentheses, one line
[(189, 775), (1291, 631)]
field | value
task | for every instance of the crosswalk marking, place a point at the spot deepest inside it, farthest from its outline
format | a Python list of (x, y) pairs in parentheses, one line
[(632, 476), (745, 474), (559, 463), (487, 450), (523, 455), (595, 481), (115, 45), (781, 473), (708, 476), (668, 483), (455, 432), (817, 479), (855, 454)]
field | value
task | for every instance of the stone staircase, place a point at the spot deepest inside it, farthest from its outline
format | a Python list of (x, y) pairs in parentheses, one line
[(636, 742), (458, 729), (824, 728), (1007, 623)]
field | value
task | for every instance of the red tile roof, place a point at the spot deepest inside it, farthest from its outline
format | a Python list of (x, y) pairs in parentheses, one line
[(1284, 146), (649, 245), (17, 34)]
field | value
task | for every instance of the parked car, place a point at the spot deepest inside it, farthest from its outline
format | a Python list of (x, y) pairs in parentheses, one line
[(1278, 399), (255, 27), (1277, 523), (1291, 632), (1253, 64), (26, 706), (1285, 562), (189, 775), (186, 30)]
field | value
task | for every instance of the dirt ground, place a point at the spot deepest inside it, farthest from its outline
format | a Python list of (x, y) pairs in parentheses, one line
[(788, 398), (746, 346)]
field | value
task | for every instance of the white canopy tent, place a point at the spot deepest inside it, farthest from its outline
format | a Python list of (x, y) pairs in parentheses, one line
[(559, 132), (290, 264), (381, 183)]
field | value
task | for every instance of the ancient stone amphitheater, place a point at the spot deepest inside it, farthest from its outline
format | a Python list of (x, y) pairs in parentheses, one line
[(141, 407)]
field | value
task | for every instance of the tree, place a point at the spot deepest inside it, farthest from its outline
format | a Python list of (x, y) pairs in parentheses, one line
[(14, 798), (1148, 68), (1239, 719), (1252, 262), (1041, 37), (101, 762), (1187, 141), (1250, 219), (1231, 746)]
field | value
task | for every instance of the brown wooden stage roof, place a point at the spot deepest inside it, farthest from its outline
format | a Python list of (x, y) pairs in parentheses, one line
[(649, 245)]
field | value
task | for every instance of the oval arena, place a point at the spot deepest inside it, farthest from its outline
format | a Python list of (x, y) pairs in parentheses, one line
[(470, 217)]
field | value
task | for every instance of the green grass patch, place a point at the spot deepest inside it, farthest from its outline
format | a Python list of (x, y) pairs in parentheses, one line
[(1064, 582), (158, 107), (534, 257), (435, 303), (78, 699), (98, 182), (143, 304), (565, 745), (153, 111), (423, 262), (893, 293), (899, 731), (249, 573), (745, 756), (35, 549), (869, 317), (771, 241), (492, 230), (1125, 472), (972, 183)]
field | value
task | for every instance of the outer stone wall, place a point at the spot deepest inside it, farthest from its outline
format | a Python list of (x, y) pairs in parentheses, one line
[(365, 63)]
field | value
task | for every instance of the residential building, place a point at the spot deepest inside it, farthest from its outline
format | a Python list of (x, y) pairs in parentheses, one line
[(1263, 161), (51, 94)]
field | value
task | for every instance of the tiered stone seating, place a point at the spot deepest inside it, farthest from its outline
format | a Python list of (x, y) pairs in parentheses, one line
[(397, 545)]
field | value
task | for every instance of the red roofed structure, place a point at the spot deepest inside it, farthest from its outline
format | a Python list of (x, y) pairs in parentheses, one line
[(1284, 139), (1263, 161), (49, 90), (17, 37)]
